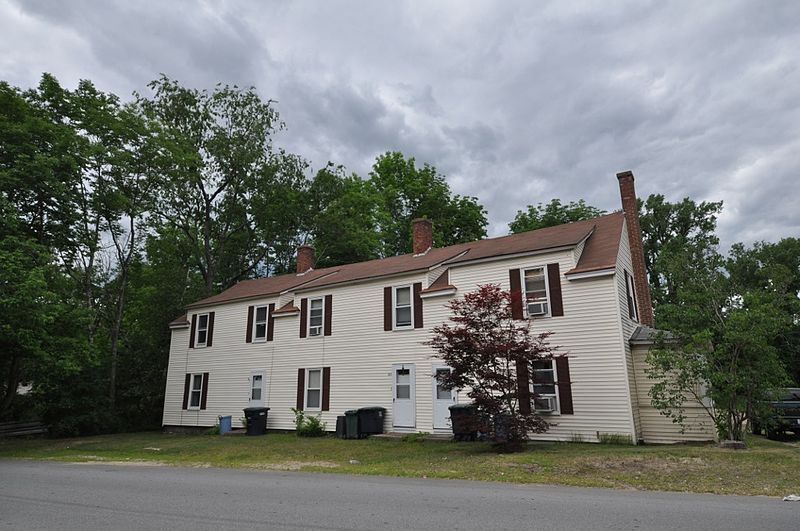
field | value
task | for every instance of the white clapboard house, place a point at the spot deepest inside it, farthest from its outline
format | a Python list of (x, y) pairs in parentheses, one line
[(344, 337)]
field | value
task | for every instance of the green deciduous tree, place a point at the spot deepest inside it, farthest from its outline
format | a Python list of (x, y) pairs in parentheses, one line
[(670, 230), (406, 192), (551, 214), (724, 356)]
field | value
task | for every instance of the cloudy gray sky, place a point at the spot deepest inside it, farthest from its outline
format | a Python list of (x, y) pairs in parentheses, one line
[(516, 102)]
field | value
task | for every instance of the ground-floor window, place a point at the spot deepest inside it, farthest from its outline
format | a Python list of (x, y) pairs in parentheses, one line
[(196, 391), (313, 389), (543, 386)]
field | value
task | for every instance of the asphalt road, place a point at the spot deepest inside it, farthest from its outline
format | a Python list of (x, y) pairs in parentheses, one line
[(49, 495)]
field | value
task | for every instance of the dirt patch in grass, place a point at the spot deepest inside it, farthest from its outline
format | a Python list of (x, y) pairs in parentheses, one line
[(291, 465), (637, 464)]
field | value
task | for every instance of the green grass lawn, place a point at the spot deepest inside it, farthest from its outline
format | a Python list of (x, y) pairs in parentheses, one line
[(765, 468)]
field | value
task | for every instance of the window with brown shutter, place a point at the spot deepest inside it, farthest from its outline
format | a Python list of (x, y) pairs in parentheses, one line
[(303, 317), (387, 308), (204, 395), (301, 388), (192, 331), (564, 385), (554, 288), (630, 292), (326, 389), (248, 336), (417, 305), (186, 385), (516, 294), (328, 314), (270, 322), (210, 338)]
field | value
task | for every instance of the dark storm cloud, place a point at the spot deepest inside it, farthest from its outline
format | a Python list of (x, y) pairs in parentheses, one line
[(516, 103)]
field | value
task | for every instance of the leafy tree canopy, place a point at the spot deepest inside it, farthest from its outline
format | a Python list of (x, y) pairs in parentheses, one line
[(552, 214)]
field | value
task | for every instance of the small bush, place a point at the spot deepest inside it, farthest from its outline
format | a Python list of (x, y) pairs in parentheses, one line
[(308, 426), (614, 438), (576, 438), (214, 430)]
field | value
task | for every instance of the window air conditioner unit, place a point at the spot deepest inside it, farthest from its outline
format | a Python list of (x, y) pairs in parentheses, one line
[(545, 404), (537, 308), (314, 330)]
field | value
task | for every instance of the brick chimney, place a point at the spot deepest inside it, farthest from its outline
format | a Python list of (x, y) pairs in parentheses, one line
[(643, 302), (305, 258), (422, 230)]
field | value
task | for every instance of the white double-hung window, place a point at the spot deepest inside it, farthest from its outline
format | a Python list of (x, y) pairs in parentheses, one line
[(260, 323), (536, 299), (314, 389), (403, 309), (196, 391), (202, 330), (315, 316), (543, 386)]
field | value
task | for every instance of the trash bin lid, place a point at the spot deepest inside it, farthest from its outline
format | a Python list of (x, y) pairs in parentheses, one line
[(351, 412), (255, 409), (463, 406), (372, 408)]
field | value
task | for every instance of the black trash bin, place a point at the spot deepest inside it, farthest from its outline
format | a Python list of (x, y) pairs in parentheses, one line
[(256, 420), (351, 424), (341, 426), (370, 420), (465, 421)]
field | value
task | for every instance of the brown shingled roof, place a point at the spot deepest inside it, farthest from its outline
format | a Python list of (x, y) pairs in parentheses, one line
[(179, 321), (600, 252)]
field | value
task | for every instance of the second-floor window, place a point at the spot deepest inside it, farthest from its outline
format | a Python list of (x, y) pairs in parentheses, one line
[(260, 323), (536, 299), (403, 310), (202, 330), (315, 317)]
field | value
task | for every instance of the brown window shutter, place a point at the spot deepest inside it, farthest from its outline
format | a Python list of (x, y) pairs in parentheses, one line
[(248, 337), (554, 283), (192, 331), (627, 295), (205, 391), (301, 387), (303, 317), (328, 314), (417, 305), (210, 335), (387, 308), (523, 388), (516, 294), (186, 391), (326, 389), (564, 385), (270, 321)]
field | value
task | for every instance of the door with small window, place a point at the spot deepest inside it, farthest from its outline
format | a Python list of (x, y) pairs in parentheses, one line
[(404, 396), (442, 398), (257, 389)]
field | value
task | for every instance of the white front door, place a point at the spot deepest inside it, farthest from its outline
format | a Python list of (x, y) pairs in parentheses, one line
[(442, 399), (257, 389), (403, 401)]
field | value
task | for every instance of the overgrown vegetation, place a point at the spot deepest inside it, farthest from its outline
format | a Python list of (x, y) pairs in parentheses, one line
[(766, 468)]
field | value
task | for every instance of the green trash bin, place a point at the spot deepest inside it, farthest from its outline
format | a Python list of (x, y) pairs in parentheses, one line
[(351, 424)]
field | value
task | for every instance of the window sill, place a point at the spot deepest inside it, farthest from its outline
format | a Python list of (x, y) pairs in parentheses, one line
[(403, 328)]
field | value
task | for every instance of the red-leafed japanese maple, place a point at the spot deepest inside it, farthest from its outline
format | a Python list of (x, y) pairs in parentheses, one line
[(490, 352)]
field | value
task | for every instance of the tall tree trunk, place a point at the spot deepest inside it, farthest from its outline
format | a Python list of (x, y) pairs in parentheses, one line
[(115, 332)]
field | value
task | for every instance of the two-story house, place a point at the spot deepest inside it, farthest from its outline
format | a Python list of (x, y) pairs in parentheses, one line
[(328, 340)]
